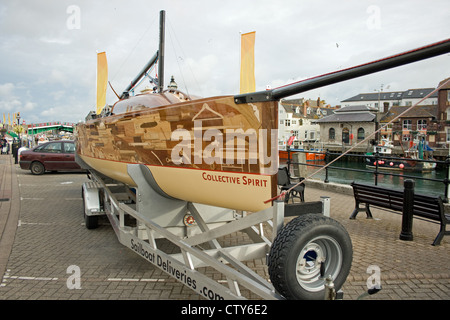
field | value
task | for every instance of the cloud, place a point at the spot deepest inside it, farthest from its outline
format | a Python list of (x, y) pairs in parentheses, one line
[(49, 52), (11, 101)]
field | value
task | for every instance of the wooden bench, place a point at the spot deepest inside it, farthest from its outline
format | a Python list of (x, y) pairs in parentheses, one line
[(428, 207)]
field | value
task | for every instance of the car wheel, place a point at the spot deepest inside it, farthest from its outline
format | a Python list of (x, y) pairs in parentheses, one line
[(37, 168)]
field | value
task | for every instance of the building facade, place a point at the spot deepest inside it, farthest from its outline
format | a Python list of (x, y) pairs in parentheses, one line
[(297, 118), (348, 126)]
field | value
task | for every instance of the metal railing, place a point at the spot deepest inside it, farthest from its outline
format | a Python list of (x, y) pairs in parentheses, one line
[(376, 171)]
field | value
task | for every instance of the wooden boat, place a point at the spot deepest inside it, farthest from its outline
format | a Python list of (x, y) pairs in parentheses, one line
[(220, 151), (171, 140)]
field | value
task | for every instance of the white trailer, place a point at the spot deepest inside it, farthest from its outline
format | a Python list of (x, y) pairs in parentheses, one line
[(299, 254)]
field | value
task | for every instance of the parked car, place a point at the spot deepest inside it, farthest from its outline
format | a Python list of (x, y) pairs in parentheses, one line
[(50, 156)]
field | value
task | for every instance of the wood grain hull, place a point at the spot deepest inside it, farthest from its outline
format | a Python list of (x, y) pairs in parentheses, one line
[(209, 151)]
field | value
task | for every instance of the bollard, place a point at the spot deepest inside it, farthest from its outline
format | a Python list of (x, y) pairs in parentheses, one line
[(407, 216), (15, 149)]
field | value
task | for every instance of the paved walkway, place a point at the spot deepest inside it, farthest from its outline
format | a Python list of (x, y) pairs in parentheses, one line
[(408, 269), (42, 234)]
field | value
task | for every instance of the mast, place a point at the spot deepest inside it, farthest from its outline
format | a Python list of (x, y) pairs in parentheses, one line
[(162, 24), (144, 70), (397, 60)]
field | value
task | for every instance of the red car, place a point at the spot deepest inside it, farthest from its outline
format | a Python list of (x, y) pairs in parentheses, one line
[(50, 156)]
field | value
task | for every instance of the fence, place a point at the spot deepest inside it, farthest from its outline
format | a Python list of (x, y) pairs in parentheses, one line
[(377, 170)]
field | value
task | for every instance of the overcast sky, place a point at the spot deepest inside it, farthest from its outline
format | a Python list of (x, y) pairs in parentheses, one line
[(48, 47)]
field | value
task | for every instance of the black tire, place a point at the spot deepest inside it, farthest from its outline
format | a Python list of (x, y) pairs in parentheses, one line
[(295, 255), (91, 221), (37, 168)]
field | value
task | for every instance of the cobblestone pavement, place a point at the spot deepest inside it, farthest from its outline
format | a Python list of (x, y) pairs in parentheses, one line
[(44, 243)]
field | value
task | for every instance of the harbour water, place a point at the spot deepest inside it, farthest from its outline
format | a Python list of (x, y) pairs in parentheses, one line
[(389, 179)]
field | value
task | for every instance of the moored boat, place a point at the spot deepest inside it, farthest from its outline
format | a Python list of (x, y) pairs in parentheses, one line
[(311, 154), (383, 159)]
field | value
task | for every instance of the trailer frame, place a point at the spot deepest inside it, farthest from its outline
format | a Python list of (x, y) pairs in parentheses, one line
[(190, 227)]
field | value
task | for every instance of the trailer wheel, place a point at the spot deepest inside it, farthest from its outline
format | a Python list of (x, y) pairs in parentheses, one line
[(91, 222), (299, 249)]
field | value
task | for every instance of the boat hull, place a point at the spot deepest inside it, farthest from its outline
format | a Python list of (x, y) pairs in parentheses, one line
[(310, 156), (209, 151)]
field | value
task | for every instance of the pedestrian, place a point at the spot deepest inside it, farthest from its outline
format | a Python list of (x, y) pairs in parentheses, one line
[(5, 146)]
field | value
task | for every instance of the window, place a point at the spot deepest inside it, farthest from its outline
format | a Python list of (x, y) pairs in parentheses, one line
[(360, 134), (448, 134), (287, 122), (421, 124), (407, 125), (281, 122), (294, 121), (448, 95), (51, 147), (311, 135), (69, 147), (331, 134)]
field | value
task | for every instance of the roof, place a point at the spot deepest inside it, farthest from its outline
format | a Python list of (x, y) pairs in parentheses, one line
[(348, 117), (417, 112), (446, 86), (312, 115), (393, 95), (357, 108)]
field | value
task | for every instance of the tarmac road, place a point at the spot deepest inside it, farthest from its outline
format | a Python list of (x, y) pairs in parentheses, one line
[(46, 252)]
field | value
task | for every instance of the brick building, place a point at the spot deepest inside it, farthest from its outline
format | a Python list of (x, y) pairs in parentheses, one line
[(429, 122)]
